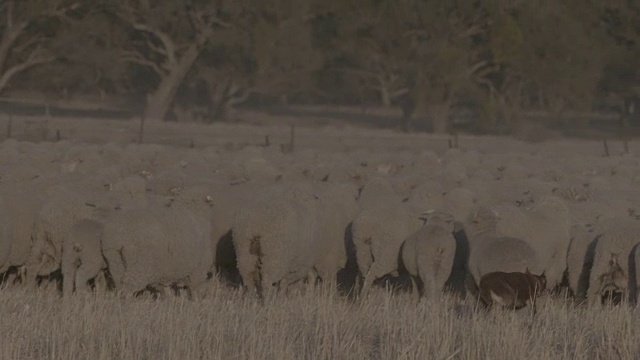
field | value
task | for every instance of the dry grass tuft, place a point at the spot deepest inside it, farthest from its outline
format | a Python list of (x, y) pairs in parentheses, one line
[(307, 324)]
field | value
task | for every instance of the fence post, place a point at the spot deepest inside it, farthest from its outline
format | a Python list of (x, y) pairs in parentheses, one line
[(9, 126), (141, 131), (606, 147), (292, 137)]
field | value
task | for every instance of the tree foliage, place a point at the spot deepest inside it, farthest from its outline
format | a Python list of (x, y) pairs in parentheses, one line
[(500, 57)]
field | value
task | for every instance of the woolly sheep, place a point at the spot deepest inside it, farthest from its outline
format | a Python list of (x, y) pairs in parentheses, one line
[(428, 253), (374, 190), (490, 251), (337, 207), (459, 202), (617, 238), (545, 226), (378, 232), (156, 245), (69, 204), (82, 258), (24, 203), (580, 259), (5, 236), (51, 226), (273, 236), (226, 201)]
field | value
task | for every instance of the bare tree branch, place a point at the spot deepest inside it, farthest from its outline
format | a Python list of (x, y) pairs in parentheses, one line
[(136, 57), (156, 49), (36, 57), (167, 42)]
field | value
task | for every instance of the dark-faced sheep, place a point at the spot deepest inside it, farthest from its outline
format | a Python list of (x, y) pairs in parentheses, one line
[(490, 251), (511, 290)]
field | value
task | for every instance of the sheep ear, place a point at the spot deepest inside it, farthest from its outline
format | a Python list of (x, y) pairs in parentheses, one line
[(527, 271)]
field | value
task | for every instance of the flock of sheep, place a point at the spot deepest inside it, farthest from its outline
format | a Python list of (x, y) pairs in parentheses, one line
[(152, 217)]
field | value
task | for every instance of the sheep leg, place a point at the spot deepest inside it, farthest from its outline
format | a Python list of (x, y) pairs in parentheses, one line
[(115, 260), (416, 293), (429, 286), (85, 273), (21, 274), (68, 276), (366, 283), (100, 283), (375, 271)]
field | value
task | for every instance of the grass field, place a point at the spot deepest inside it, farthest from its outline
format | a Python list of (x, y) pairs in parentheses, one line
[(313, 323)]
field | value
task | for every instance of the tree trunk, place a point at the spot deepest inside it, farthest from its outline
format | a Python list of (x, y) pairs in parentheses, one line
[(385, 97), (161, 99), (9, 38), (439, 115)]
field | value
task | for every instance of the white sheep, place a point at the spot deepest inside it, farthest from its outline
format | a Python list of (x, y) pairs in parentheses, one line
[(50, 228), (490, 251), (273, 236), (616, 239), (69, 204), (545, 226), (157, 245), (580, 259), (5, 236), (428, 253), (375, 189), (336, 209), (378, 232), (82, 258)]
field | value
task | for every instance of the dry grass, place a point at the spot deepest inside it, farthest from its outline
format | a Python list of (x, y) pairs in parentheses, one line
[(310, 324)]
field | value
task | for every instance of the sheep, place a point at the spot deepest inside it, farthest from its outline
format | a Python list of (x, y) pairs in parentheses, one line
[(489, 251), (545, 226), (513, 290), (580, 259), (226, 201), (51, 226), (156, 245), (64, 208), (459, 202), (610, 273), (5, 236), (82, 258), (273, 236), (378, 232), (24, 203), (337, 207), (375, 189), (428, 254)]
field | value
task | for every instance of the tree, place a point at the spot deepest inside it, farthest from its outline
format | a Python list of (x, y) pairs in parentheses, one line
[(451, 58), (268, 52), (372, 38), (622, 19), (25, 32), (167, 38), (551, 56)]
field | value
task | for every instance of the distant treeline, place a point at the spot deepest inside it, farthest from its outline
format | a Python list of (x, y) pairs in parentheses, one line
[(484, 63)]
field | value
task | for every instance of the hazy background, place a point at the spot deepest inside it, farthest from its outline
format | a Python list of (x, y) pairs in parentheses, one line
[(489, 66)]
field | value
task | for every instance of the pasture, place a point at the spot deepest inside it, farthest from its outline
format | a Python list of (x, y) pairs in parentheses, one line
[(314, 324), (309, 321)]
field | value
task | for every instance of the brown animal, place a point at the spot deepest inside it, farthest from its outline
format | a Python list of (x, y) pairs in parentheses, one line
[(512, 290)]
